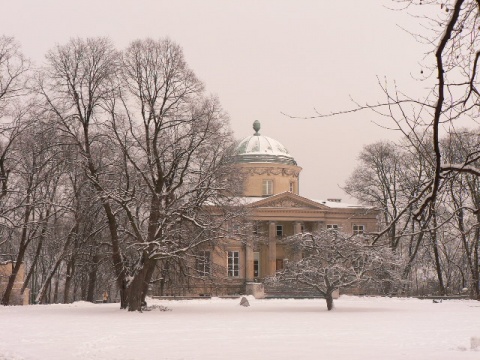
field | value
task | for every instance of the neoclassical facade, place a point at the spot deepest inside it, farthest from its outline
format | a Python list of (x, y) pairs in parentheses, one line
[(276, 211)]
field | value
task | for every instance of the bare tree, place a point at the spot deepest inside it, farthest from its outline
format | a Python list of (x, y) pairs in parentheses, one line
[(175, 142), (76, 83), (14, 68), (390, 176), (463, 192), (449, 84), (450, 74), (439, 249), (379, 181), (36, 175)]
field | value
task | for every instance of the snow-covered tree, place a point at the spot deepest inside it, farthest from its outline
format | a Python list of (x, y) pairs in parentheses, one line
[(332, 260)]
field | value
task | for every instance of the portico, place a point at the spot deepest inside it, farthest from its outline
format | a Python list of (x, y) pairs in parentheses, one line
[(286, 214)]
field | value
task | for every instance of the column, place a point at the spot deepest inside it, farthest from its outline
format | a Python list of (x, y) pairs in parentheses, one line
[(297, 228), (249, 260), (272, 248)]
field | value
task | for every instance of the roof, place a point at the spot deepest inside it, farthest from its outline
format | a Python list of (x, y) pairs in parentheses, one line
[(252, 200), (262, 149), (341, 205)]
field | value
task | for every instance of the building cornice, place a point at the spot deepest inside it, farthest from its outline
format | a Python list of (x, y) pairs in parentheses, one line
[(275, 170)]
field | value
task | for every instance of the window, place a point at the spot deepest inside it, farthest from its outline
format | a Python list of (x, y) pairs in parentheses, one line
[(358, 229), (233, 264), (292, 187), (203, 263), (279, 230), (256, 264), (267, 187), (302, 228), (333, 227)]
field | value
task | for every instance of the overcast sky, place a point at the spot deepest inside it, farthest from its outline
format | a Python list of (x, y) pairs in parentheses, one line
[(261, 58)]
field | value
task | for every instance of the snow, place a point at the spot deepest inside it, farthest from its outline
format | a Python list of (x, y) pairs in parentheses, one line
[(341, 205), (261, 145), (248, 200), (358, 328)]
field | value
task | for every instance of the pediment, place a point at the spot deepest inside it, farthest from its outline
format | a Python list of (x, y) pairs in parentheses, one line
[(288, 200)]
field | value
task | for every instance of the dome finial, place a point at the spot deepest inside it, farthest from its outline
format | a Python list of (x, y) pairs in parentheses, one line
[(256, 127)]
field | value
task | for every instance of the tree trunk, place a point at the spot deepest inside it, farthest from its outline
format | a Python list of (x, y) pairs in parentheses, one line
[(135, 293), (473, 186), (139, 284), (55, 293), (148, 277), (165, 268), (39, 246), (438, 266), (413, 252), (75, 289), (32, 267), (83, 288), (68, 280), (92, 278), (117, 257), (45, 288), (137, 290), (475, 272), (49, 292), (53, 270), (329, 299), (24, 242)]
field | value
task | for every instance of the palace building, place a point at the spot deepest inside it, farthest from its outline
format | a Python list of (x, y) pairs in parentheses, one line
[(275, 211)]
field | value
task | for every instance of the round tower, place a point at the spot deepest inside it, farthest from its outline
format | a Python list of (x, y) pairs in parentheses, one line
[(268, 167)]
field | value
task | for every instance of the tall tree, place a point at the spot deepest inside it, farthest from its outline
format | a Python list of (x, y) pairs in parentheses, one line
[(449, 77), (36, 175), (377, 181), (14, 74), (175, 142), (76, 83)]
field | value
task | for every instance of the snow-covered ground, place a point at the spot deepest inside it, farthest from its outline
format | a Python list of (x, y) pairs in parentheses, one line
[(358, 328)]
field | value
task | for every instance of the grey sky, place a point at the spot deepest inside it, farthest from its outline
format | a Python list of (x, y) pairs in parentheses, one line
[(262, 58)]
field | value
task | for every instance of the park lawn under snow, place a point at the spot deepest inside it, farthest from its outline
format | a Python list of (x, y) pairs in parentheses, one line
[(358, 328)]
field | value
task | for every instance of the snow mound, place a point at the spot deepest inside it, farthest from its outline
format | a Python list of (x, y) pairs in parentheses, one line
[(82, 304)]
